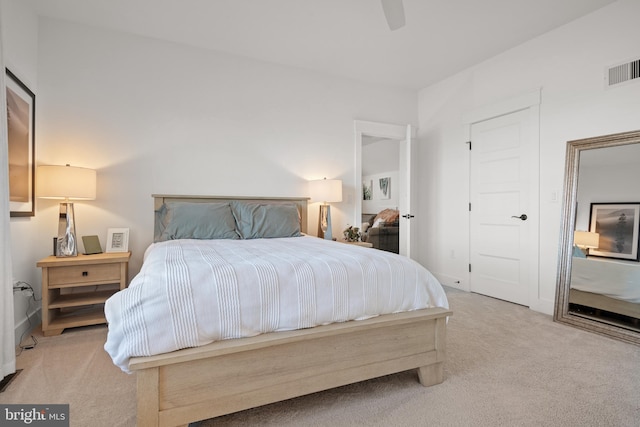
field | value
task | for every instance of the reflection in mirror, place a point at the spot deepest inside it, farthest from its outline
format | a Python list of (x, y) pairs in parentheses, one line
[(598, 270), (381, 164)]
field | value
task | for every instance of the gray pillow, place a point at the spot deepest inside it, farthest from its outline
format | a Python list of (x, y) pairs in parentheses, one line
[(192, 220), (577, 252), (260, 220)]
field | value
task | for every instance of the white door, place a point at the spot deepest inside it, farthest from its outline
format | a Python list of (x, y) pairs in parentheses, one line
[(500, 215)]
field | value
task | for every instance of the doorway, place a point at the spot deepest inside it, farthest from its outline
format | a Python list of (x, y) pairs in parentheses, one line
[(389, 188)]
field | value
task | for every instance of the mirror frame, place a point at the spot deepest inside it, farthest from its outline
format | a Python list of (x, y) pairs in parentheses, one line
[(569, 211)]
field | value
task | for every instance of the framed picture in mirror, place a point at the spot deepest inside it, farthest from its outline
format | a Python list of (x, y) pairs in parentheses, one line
[(618, 225)]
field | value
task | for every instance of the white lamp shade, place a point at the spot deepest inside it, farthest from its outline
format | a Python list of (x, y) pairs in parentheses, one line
[(326, 190), (66, 182), (586, 239)]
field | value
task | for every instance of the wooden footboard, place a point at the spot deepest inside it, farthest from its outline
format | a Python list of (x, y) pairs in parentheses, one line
[(229, 376)]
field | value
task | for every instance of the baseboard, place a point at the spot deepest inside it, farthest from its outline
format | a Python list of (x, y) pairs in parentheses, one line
[(27, 324)]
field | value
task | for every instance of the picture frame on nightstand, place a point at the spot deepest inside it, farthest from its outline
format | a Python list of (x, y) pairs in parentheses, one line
[(91, 245), (118, 240)]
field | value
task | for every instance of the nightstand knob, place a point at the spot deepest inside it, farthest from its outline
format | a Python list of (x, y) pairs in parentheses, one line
[(85, 273)]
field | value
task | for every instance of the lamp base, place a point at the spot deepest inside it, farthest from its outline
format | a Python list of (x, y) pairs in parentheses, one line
[(67, 245), (324, 223)]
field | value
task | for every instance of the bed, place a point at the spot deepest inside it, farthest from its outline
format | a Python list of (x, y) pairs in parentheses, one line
[(185, 375), (612, 286)]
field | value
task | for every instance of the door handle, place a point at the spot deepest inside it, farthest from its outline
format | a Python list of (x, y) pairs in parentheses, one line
[(522, 217), (408, 216)]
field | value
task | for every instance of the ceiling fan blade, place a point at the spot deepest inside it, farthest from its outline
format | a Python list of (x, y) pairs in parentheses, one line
[(394, 12)]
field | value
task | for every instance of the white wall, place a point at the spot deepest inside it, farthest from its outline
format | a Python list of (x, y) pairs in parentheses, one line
[(156, 117), (20, 46), (568, 64)]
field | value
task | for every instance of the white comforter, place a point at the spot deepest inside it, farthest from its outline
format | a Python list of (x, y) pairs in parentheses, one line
[(193, 292)]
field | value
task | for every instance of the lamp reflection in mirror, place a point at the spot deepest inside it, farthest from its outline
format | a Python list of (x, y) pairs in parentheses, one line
[(586, 240), (325, 191), (66, 183)]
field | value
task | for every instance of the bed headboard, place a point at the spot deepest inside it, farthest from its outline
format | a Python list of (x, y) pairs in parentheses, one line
[(300, 202)]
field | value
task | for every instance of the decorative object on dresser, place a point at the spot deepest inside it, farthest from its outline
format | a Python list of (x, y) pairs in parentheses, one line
[(66, 183), (74, 289), (21, 128), (209, 365), (352, 234), (91, 245), (118, 240), (325, 191)]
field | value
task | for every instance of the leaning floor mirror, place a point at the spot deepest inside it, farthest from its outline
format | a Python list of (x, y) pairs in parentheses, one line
[(599, 270)]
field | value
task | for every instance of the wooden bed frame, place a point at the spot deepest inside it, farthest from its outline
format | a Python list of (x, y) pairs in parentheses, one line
[(228, 376)]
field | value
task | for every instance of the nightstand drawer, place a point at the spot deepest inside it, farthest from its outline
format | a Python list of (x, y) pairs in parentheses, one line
[(106, 273)]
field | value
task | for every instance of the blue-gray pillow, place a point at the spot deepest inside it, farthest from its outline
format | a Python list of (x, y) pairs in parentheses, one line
[(263, 220), (193, 220)]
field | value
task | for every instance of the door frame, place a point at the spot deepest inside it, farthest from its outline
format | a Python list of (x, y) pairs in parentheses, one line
[(529, 101), (378, 130)]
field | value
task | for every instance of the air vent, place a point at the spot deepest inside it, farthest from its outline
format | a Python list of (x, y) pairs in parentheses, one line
[(623, 73)]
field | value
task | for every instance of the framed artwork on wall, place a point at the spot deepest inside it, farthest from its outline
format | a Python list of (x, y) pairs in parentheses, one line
[(21, 111), (367, 189), (385, 188), (617, 224)]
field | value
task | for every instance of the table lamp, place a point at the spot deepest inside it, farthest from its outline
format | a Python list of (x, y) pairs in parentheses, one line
[(325, 191), (586, 240), (66, 183)]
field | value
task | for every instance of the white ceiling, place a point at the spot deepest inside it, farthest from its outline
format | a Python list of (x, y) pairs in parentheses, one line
[(347, 38)]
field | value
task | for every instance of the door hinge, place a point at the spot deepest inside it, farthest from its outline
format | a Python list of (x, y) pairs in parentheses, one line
[(469, 207), (468, 142), (469, 268)]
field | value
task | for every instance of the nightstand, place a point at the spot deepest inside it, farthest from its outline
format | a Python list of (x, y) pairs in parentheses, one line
[(74, 289)]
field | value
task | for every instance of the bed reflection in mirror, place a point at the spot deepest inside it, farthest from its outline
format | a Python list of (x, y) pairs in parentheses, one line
[(599, 272)]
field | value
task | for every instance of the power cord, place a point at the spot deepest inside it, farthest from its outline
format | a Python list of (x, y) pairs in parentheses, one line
[(27, 290)]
